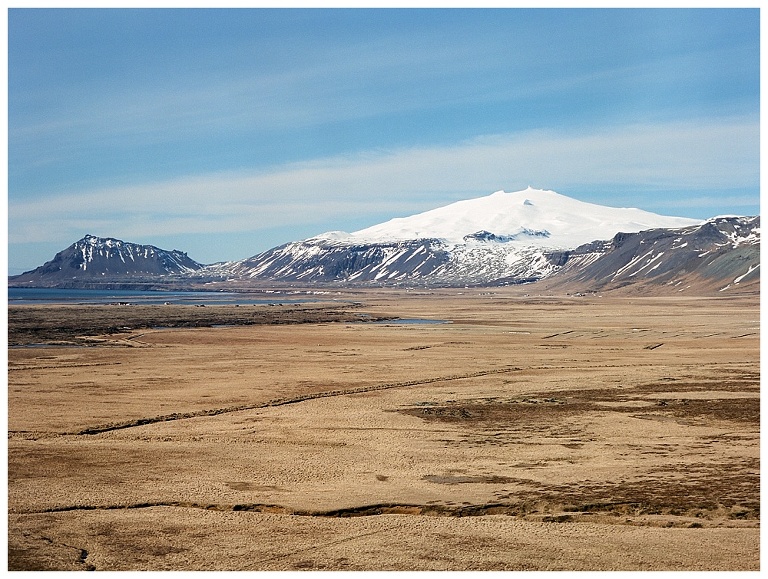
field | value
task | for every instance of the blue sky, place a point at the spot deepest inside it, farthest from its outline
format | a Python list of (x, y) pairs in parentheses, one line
[(226, 132)]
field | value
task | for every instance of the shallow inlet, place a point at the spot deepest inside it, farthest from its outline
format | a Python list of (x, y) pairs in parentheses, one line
[(412, 321)]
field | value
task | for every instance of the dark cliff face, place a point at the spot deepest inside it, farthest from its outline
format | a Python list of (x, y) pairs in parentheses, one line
[(94, 258), (313, 261)]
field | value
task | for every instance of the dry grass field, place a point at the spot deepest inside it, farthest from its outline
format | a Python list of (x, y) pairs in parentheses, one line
[(529, 433)]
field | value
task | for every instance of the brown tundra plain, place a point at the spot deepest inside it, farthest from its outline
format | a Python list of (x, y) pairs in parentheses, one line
[(518, 432)]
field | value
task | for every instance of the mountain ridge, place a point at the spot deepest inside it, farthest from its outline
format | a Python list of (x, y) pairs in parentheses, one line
[(721, 254)]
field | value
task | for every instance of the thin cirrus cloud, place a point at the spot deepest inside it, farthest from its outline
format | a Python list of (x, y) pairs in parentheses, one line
[(720, 154)]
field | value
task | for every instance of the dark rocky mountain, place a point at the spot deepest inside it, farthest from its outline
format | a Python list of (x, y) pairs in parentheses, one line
[(324, 261), (97, 259), (721, 255), (482, 259)]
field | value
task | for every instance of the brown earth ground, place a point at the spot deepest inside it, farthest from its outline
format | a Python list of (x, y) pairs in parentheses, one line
[(529, 433)]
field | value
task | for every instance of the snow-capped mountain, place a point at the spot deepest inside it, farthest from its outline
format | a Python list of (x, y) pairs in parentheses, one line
[(515, 236), (98, 258)]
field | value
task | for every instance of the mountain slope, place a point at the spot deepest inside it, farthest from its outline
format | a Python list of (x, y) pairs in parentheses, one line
[(96, 258), (720, 255)]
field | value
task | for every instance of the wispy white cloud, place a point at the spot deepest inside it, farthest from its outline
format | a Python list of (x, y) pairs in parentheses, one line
[(696, 155)]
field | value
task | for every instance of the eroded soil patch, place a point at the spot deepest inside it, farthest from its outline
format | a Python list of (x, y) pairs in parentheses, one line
[(704, 491)]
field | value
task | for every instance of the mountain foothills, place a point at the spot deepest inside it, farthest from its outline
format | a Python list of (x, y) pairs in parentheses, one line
[(500, 239)]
